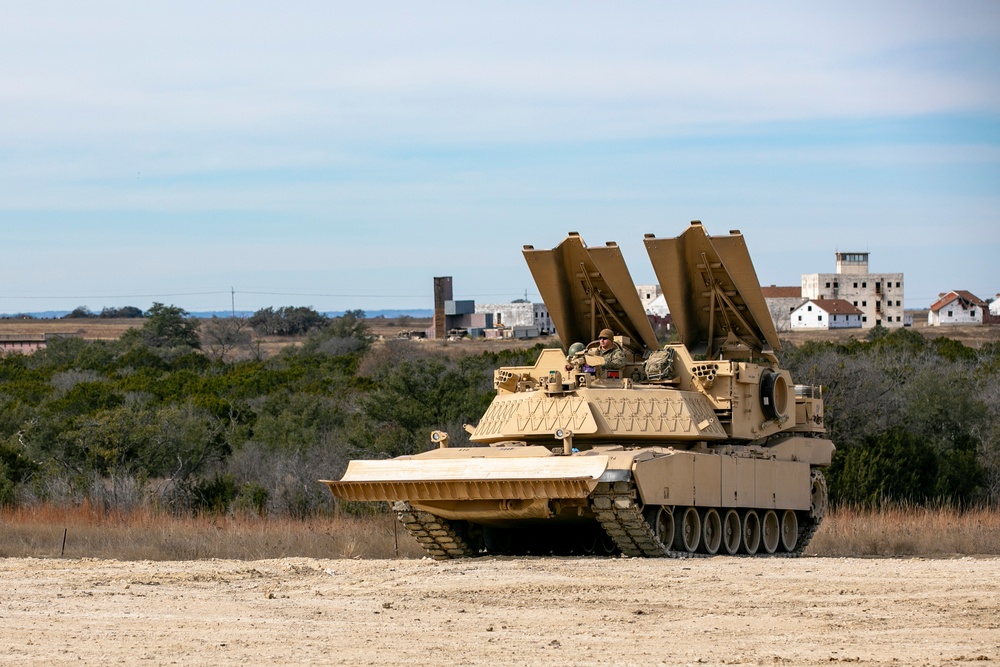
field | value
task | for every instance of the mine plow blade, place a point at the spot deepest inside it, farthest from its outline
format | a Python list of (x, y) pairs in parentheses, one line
[(470, 479)]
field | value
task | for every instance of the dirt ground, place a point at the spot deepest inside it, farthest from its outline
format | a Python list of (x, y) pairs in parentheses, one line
[(499, 611)]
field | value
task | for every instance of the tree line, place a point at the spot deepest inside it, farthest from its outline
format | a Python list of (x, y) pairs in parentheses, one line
[(166, 416), (914, 420), (194, 416)]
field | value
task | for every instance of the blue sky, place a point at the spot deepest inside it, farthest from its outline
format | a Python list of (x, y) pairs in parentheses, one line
[(325, 154)]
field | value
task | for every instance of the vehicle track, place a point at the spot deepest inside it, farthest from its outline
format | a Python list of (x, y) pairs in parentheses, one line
[(617, 509)]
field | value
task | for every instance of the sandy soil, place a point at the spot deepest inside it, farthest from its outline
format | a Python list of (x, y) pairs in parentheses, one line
[(496, 611)]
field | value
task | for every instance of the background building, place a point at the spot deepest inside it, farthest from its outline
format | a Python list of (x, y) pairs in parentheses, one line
[(519, 314), (648, 294), (956, 307), (781, 301), (442, 294), (452, 316), (826, 314), (879, 296)]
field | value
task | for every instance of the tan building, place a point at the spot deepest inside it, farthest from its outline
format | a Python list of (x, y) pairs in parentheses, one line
[(21, 343), (29, 343)]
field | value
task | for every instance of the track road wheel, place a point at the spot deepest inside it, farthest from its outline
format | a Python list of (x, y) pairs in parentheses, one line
[(789, 530), (750, 533), (587, 542), (687, 532), (661, 520), (500, 541), (606, 546), (711, 531), (593, 541), (770, 531), (731, 532), (819, 498)]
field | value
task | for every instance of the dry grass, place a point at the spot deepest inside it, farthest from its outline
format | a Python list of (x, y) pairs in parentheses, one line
[(147, 535), (970, 335), (908, 531), (86, 328), (112, 329)]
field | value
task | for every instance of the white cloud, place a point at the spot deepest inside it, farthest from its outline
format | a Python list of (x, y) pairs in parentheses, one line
[(454, 70), (346, 113)]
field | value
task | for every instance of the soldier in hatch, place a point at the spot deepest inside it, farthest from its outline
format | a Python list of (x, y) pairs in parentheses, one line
[(614, 355), (605, 346)]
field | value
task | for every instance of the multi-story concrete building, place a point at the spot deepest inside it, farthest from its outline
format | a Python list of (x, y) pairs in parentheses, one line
[(518, 314), (879, 296), (542, 319), (648, 294), (521, 313)]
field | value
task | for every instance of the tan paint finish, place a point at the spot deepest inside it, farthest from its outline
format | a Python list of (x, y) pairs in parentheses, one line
[(814, 451), (685, 478), (534, 413), (484, 477), (712, 291), (481, 467), (589, 289), (741, 491)]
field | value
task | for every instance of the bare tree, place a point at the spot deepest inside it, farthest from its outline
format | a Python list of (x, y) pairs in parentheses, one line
[(780, 315), (222, 335), (988, 438)]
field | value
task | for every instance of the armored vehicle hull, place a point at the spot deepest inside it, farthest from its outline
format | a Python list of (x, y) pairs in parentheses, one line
[(672, 453)]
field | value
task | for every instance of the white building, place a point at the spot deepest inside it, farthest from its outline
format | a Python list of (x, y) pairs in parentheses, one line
[(648, 294), (781, 301), (956, 307), (658, 307), (826, 314), (879, 296), (518, 314), (995, 306)]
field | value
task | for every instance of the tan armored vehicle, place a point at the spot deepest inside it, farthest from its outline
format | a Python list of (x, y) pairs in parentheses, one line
[(700, 447)]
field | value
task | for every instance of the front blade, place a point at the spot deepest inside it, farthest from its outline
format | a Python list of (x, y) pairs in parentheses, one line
[(470, 479)]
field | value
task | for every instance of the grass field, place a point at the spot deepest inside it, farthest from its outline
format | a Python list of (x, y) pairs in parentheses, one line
[(145, 535), (110, 329), (88, 329)]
